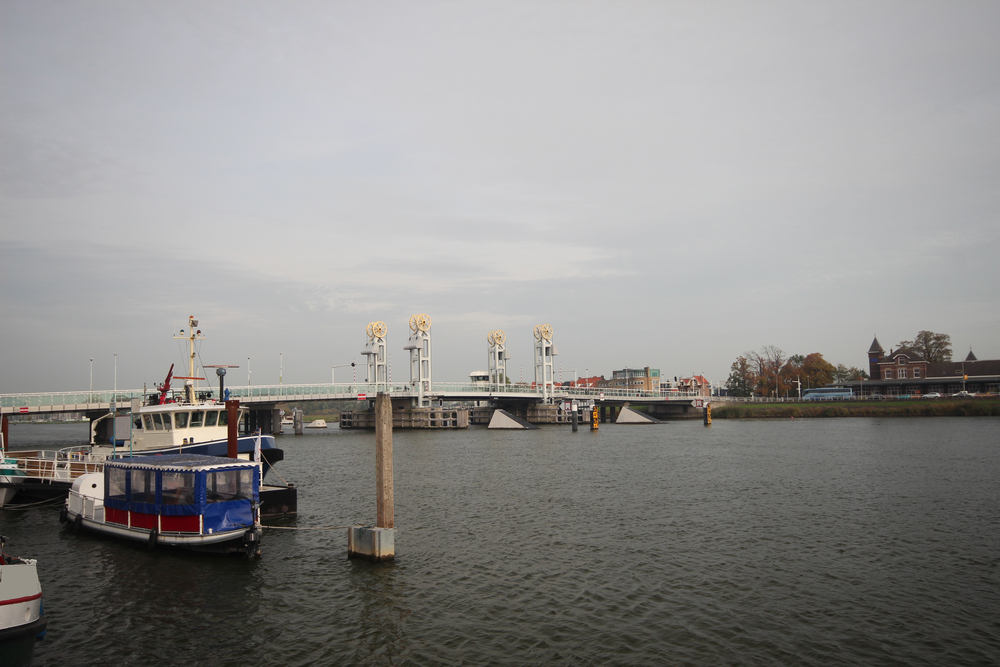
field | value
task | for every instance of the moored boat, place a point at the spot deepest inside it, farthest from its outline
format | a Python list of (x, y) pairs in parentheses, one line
[(193, 501), (166, 422), (22, 621), (316, 423)]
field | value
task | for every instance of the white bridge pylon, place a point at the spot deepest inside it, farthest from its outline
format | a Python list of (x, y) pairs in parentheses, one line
[(419, 346), (375, 351), (497, 364), (545, 349)]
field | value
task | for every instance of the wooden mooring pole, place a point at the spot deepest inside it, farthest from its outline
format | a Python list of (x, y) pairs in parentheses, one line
[(378, 542), (385, 517)]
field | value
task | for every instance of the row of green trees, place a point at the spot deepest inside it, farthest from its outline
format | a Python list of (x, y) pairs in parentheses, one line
[(771, 373)]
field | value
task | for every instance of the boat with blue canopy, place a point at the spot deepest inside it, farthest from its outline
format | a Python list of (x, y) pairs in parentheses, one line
[(193, 501)]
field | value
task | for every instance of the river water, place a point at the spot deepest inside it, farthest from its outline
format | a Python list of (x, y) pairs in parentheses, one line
[(807, 542)]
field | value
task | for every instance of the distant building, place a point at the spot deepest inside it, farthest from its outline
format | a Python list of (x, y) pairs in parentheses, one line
[(696, 384), (643, 379), (905, 372)]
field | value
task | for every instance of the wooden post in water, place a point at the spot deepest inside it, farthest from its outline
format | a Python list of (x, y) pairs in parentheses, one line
[(232, 420), (4, 429), (383, 461), (378, 542), (708, 414), (595, 418)]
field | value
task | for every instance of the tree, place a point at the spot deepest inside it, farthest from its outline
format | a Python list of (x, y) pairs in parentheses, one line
[(817, 371), (768, 364), (933, 347), (845, 374), (742, 378)]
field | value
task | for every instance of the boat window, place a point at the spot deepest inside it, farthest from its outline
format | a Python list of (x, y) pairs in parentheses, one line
[(210, 417), (197, 417), (157, 422), (224, 418), (166, 421), (177, 488), (230, 485), (148, 422), (116, 483), (181, 419), (143, 486)]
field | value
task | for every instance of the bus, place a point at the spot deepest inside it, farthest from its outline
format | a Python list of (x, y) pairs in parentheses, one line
[(828, 394)]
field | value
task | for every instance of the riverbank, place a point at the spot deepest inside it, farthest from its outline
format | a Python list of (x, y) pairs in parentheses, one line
[(944, 407)]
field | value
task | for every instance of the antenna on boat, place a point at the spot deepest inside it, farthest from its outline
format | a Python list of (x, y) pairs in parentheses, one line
[(191, 337), (220, 370)]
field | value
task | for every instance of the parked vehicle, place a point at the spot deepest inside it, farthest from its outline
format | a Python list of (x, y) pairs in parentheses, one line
[(962, 394), (933, 394)]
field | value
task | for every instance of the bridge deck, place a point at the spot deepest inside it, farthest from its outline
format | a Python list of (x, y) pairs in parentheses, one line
[(100, 401)]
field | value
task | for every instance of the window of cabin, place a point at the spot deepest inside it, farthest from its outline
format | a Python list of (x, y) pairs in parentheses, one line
[(157, 422), (177, 488), (197, 418), (166, 421), (182, 419), (143, 486), (147, 422), (211, 417)]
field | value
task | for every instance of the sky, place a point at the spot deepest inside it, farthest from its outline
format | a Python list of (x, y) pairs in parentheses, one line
[(666, 184)]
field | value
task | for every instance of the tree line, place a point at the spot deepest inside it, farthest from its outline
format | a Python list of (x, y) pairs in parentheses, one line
[(771, 373)]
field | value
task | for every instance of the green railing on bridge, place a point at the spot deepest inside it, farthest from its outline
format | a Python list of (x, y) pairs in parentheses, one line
[(80, 400)]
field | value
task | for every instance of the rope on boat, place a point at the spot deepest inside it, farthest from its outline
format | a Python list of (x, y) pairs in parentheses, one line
[(275, 471), (308, 527), (19, 506)]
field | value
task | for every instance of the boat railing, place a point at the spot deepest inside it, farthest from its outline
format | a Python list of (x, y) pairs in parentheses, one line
[(57, 465)]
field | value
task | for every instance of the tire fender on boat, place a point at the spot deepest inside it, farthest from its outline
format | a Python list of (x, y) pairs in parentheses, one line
[(63, 515), (153, 536), (77, 522)]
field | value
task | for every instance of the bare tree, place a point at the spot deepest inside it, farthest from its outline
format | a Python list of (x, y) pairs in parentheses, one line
[(933, 347)]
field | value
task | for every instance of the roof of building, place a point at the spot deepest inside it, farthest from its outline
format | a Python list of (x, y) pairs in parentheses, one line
[(875, 347)]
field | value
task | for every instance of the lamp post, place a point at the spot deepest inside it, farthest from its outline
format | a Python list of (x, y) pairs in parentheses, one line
[(333, 374), (281, 367), (90, 398), (248, 375)]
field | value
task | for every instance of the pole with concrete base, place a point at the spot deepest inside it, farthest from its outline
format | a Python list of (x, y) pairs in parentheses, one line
[(378, 543)]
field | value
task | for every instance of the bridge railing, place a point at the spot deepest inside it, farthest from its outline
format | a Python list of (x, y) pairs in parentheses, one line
[(52, 399), (81, 399)]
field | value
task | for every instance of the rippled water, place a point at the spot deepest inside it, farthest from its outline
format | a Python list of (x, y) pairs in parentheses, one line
[(815, 542)]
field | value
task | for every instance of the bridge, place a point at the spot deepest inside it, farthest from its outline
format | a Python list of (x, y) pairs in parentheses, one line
[(270, 395), (417, 403)]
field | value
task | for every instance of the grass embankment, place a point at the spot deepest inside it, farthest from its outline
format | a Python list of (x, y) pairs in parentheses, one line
[(943, 407)]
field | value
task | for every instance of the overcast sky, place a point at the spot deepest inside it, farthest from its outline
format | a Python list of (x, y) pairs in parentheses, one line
[(667, 184)]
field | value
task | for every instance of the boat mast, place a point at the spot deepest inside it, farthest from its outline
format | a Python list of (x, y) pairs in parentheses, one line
[(191, 337)]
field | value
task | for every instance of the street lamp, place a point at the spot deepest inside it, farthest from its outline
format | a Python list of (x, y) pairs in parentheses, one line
[(248, 372), (281, 367), (91, 380), (333, 373)]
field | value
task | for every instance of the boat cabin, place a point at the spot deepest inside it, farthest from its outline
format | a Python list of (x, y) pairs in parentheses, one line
[(177, 493), (179, 424)]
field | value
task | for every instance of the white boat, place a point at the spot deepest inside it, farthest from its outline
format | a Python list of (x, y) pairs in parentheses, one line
[(207, 503), (168, 422), (22, 621), (316, 423)]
